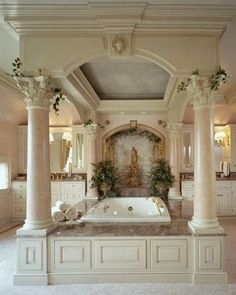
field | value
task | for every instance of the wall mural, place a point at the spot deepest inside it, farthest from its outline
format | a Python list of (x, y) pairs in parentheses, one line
[(133, 151)]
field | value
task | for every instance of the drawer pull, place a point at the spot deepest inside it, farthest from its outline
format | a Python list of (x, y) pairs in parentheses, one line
[(219, 195)]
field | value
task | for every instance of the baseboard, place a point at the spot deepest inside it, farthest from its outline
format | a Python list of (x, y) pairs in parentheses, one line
[(30, 280), (209, 278), (118, 278)]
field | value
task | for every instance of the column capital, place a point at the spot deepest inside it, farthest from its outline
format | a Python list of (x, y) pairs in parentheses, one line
[(37, 90), (174, 128), (91, 130), (201, 92)]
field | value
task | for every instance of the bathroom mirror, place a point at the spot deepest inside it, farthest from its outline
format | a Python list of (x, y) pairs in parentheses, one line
[(187, 149), (60, 149)]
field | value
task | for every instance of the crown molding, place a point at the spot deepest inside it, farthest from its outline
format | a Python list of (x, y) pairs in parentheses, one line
[(78, 80), (100, 18)]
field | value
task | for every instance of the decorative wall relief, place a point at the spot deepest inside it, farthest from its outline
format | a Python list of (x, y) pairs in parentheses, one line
[(119, 45), (133, 151)]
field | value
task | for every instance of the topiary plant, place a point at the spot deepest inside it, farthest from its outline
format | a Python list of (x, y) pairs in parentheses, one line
[(105, 177), (161, 178)]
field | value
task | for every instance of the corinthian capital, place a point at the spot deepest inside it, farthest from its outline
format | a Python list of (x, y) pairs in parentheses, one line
[(91, 130), (174, 128), (201, 92), (37, 90)]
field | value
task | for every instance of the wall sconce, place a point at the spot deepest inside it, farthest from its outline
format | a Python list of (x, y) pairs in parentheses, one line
[(221, 138)]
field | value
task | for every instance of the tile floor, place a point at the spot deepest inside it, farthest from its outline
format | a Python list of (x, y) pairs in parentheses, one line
[(8, 260)]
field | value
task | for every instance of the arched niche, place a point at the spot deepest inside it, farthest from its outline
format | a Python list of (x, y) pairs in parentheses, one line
[(117, 146)]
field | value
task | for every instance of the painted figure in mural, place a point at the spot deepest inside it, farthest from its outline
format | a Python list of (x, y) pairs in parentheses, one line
[(109, 151), (134, 170), (134, 155)]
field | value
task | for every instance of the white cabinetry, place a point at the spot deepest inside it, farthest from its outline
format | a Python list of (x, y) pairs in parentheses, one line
[(187, 148), (187, 189), (224, 198), (70, 192), (225, 195), (18, 200)]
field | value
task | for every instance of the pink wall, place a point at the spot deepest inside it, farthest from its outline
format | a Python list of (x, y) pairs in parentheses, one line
[(9, 144)]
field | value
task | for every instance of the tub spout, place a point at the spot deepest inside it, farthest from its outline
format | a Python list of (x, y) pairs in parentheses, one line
[(158, 202)]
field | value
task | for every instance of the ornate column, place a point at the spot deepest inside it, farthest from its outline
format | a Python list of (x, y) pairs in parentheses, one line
[(174, 137), (91, 133), (203, 100), (38, 94)]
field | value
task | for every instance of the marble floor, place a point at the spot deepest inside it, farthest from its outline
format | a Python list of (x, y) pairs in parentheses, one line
[(8, 261)]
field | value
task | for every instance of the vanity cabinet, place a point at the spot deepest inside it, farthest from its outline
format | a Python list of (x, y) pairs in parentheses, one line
[(224, 198), (19, 200), (187, 148), (225, 195), (70, 192), (232, 138)]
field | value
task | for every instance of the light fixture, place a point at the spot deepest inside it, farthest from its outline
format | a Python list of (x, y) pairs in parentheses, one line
[(221, 138)]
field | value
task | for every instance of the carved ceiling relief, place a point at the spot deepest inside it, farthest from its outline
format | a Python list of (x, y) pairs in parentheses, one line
[(119, 45)]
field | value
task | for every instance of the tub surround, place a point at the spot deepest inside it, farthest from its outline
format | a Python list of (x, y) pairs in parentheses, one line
[(138, 209)]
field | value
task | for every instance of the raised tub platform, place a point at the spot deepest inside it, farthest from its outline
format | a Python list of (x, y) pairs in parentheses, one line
[(133, 252)]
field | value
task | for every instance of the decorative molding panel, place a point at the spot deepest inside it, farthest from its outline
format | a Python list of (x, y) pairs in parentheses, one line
[(120, 254), (210, 254), (72, 255), (169, 254), (31, 255)]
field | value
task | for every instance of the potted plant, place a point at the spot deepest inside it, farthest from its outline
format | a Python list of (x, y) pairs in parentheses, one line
[(161, 178), (105, 177)]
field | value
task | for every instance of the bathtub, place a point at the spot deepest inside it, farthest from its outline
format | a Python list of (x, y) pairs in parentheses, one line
[(127, 210)]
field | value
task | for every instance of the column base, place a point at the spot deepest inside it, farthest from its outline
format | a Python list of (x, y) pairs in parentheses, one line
[(174, 194), (37, 224), (206, 226), (92, 194)]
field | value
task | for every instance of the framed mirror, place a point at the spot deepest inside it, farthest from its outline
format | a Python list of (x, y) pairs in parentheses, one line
[(79, 149), (60, 149)]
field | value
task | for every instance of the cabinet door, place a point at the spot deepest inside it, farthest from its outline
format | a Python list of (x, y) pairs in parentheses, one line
[(187, 149), (224, 201)]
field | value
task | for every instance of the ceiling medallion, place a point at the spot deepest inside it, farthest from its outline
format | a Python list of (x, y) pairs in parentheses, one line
[(118, 44)]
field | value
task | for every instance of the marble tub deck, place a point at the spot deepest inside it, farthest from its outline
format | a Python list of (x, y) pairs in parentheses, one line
[(180, 211)]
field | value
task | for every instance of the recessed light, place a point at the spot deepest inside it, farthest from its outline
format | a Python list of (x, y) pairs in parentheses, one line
[(143, 113), (122, 113)]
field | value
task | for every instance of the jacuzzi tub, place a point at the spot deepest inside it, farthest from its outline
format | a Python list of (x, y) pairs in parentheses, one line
[(127, 210)]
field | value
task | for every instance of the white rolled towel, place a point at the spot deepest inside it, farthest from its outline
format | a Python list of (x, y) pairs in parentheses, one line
[(58, 216), (62, 206), (71, 214)]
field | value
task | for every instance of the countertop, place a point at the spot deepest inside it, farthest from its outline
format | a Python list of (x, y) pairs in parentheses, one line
[(180, 213)]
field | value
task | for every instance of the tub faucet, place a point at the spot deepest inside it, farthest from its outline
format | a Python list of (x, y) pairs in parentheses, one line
[(158, 202)]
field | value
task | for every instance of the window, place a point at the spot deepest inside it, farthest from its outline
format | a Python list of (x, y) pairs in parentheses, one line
[(4, 172)]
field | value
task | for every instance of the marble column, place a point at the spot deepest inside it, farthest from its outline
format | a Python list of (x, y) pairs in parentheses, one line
[(91, 134), (37, 92), (203, 100), (174, 140)]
